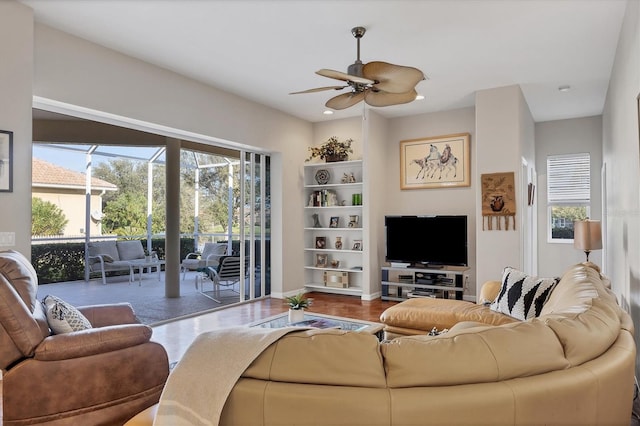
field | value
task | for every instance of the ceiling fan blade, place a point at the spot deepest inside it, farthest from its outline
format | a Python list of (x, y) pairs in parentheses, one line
[(319, 89), (345, 100), (382, 99), (392, 78), (343, 76)]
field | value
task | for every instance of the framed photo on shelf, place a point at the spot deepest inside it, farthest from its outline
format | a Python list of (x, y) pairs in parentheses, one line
[(322, 260), (334, 222), (6, 161), (357, 245), (437, 162), (321, 242)]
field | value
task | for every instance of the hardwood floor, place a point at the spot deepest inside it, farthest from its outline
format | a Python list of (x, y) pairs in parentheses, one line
[(176, 336)]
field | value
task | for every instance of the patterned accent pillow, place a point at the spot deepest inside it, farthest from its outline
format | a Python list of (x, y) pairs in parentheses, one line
[(62, 317), (522, 296)]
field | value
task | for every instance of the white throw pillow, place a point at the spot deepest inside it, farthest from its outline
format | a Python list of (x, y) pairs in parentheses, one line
[(62, 317), (522, 296)]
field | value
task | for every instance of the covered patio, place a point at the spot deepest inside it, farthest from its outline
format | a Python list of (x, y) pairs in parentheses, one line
[(147, 296), (244, 189)]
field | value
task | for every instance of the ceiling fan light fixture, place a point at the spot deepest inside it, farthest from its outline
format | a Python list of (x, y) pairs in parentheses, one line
[(377, 83), (327, 112), (419, 97)]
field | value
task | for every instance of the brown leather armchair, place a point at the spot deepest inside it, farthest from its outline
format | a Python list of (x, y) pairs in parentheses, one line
[(99, 376)]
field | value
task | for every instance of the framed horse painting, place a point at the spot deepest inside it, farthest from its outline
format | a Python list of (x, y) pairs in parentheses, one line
[(436, 162)]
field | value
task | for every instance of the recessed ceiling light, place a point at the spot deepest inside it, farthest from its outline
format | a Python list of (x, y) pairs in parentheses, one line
[(327, 112), (565, 88), (419, 97)]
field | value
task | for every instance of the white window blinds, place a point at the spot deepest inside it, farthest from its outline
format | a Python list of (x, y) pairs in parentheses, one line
[(569, 179)]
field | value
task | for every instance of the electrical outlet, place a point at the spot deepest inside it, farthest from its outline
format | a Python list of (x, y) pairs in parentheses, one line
[(7, 239)]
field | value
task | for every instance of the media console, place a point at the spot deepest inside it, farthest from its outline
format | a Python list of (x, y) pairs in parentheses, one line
[(401, 283)]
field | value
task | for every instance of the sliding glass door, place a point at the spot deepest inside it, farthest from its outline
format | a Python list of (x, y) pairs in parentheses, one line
[(225, 199)]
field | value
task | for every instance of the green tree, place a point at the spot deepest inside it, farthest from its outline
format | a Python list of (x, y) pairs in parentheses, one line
[(126, 215), (569, 214), (125, 210), (214, 192), (46, 218)]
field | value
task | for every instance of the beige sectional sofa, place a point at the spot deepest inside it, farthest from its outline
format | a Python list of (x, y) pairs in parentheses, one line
[(574, 364)]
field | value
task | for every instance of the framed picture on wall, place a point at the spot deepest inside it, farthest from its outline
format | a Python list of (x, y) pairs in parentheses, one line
[(6, 161), (437, 162)]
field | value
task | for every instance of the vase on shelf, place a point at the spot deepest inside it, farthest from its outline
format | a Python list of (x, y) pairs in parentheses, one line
[(296, 315), (338, 243)]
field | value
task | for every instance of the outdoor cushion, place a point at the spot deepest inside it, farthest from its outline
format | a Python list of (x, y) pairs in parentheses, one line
[(102, 248), (130, 250)]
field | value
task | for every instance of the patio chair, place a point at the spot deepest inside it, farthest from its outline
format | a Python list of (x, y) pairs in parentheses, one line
[(227, 274), (104, 372), (210, 256)]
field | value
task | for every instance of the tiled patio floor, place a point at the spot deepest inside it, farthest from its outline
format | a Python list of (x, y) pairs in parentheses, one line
[(148, 299)]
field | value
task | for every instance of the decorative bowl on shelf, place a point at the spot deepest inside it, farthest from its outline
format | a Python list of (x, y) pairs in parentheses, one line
[(322, 176)]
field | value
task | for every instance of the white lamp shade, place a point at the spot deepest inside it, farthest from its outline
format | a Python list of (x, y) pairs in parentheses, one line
[(587, 235)]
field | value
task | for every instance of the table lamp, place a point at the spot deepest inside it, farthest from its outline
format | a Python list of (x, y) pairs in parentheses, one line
[(587, 235)]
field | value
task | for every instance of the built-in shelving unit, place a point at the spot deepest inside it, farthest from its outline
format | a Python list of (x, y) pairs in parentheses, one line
[(334, 210)]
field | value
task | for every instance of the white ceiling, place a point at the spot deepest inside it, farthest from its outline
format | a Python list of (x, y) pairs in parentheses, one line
[(264, 49)]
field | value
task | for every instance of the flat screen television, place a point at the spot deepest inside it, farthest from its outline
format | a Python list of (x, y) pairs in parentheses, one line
[(427, 240)]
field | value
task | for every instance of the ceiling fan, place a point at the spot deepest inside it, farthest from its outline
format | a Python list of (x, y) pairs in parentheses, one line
[(378, 83)]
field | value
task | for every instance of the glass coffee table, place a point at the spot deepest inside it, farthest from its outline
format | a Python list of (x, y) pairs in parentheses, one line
[(321, 321)]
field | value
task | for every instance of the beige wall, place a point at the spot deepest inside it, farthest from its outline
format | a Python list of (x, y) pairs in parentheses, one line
[(566, 137), (455, 201), (135, 94), (501, 133), (16, 76), (72, 204), (620, 152)]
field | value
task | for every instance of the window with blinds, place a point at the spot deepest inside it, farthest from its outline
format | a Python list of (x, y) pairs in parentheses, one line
[(568, 193)]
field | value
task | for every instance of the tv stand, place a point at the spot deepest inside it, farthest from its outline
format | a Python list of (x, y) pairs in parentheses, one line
[(426, 266), (423, 281)]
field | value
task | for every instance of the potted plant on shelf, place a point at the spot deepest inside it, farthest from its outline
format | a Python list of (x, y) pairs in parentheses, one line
[(297, 305), (332, 150)]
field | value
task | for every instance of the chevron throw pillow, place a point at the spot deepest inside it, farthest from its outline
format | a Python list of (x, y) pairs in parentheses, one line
[(62, 317), (522, 296)]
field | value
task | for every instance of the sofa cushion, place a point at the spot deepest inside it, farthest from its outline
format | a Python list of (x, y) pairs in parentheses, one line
[(62, 317), (574, 292), (489, 292), (586, 335), (103, 248), (130, 250), (24, 324), (473, 355), (424, 313), (522, 296), (343, 358)]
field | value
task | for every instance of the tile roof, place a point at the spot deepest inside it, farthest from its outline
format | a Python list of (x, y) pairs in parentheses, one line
[(44, 173)]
